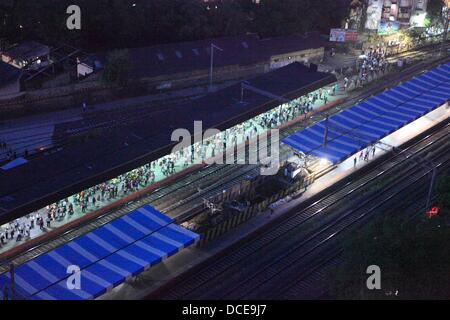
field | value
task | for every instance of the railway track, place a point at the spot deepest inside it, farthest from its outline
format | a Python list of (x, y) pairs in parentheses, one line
[(195, 287), (178, 205), (267, 283), (185, 204), (312, 283), (184, 198)]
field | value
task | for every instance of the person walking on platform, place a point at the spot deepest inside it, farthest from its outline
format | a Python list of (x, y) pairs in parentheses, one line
[(354, 162), (373, 151)]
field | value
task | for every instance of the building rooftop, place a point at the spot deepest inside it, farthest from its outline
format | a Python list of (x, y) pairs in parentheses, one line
[(27, 50), (78, 166), (291, 43), (195, 55)]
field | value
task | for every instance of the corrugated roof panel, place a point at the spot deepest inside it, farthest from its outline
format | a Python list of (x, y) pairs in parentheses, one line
[(375, 118)]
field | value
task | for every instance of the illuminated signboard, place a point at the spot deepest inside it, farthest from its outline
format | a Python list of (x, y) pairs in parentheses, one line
[(388, 27), (343, 35)]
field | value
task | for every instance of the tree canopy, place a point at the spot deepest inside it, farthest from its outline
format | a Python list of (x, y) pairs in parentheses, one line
[(434, 11), (107, 24), (413, 257), (117, 66)]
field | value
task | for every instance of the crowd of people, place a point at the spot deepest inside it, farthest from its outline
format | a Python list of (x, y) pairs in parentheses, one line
[(364, 155), (95, 197), (373, 62), (321, 95), (80, 203), (20, 228)]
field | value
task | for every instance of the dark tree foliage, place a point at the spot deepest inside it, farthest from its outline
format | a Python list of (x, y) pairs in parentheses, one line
[(443, 193), (110, 24), (117, 67), (413, 257), (278, 17), (434, 9), (362, 6)]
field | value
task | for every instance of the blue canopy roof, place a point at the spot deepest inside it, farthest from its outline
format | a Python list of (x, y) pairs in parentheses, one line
[(367, 122), (106, 256)]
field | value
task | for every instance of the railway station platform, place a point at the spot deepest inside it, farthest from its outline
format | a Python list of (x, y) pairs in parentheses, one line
[(338, 137), (138, 287), (102, 259), (149, 282), (134, 139), (156, 170)]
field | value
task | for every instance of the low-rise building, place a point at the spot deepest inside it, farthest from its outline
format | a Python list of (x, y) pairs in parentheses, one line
[(399, 13), (27, 55), (282, 51), (236, 57)]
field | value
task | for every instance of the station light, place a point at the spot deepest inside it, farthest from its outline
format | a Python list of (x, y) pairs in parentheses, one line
[(434, 211)]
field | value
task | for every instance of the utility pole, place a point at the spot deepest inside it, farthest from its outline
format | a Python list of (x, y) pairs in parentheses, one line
[(245, 85), (5, 292), (213, 46), (427, 165), (325, 136), (12, 270), (430, 191), (446, 14)]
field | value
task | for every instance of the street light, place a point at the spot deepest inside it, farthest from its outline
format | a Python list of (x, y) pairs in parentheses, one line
[(427, 165), (213, 46)]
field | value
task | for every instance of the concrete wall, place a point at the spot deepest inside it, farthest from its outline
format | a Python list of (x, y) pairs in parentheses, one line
[(310, 55)]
